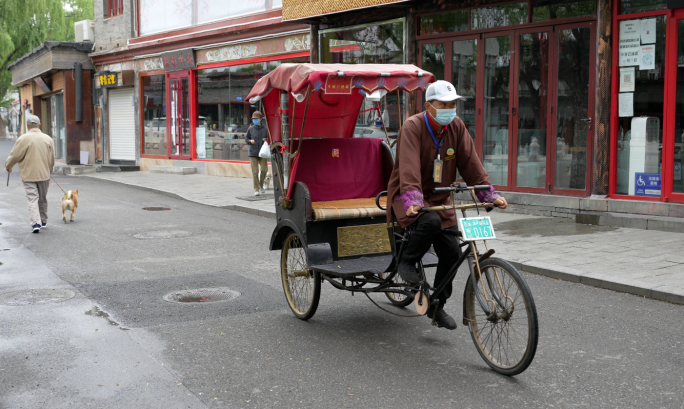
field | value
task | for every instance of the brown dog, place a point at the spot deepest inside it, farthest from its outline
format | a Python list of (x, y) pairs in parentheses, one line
[(70, 201)]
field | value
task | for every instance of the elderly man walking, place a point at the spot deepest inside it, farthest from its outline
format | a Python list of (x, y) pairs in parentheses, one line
[(255, 138), (35, 153)]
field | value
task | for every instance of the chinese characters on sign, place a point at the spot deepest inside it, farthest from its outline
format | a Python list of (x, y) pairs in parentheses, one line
[(179, 60), (630, 41), (107, 79), (647, 184), (338, 85)]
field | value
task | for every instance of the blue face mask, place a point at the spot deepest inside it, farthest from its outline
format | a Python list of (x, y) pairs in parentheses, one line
[(444, 116), (256, 121)]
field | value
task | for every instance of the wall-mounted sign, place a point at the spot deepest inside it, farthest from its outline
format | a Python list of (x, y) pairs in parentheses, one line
[(179, 60), (647, 184), (630, 40), (107, 79)]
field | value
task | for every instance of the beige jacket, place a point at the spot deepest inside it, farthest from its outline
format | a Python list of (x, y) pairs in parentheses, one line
[(35, 153)]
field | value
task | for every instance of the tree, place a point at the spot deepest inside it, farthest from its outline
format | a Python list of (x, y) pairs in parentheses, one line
[(24, 25)]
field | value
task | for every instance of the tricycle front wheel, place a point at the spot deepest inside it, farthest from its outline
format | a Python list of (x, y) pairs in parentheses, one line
[(302, 286)]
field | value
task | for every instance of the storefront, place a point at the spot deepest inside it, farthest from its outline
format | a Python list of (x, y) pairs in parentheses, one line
[(54, 82), (532, 99), (197, 110), (648, 101)]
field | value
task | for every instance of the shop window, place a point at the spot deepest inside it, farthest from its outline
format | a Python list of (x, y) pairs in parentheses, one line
[(114, 8), (498, 16), (641, 90), (640, 6), (543, 10), (154, 114), (224, 115), (444, 22), (433, 59), (678, 180), (368, 44)]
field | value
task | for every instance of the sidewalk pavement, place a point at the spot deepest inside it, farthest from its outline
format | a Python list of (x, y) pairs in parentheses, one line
[(647, 263)]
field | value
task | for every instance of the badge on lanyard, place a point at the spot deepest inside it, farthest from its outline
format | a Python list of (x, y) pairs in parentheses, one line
[(437, 169), (437, 173)]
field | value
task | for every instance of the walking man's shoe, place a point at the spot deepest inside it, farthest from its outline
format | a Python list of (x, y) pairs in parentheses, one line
[(36, 228), (442, 319), (256, 193), (262, 190), (44, 226), (408, 272)]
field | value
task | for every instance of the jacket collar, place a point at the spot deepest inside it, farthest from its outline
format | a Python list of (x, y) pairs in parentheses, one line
[(35, 130)]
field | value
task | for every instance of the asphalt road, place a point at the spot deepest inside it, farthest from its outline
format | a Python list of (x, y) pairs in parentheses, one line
[(597, 348)]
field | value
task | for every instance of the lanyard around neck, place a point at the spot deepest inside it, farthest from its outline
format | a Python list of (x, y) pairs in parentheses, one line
[(437, 144)]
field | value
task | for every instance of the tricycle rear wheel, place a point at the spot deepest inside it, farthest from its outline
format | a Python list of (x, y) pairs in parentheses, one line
[(302, 286), (400, 300)]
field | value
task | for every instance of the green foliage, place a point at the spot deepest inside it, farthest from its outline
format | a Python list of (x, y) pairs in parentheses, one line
[(25, 24)]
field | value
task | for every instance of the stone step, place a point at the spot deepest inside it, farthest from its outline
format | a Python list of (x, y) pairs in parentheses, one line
[(173, 170), (63, 169), (634, 221), (118, 168)]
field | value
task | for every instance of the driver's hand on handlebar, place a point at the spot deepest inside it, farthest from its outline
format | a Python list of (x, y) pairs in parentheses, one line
[(412, 211), (500, 202)]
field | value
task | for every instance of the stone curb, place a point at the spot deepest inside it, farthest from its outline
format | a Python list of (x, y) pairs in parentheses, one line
[(656, 292)]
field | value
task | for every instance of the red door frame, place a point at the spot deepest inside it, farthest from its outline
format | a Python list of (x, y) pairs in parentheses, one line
[(191, 103), (668, 111)]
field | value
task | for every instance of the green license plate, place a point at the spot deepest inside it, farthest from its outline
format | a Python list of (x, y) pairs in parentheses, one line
[(477, 228)]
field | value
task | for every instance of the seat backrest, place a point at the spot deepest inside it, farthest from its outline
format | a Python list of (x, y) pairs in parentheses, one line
[(344, 168)]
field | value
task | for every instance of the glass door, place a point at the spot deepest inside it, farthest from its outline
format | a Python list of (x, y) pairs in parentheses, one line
[(672, 166), (574, 107), (531, 110), (179, 118), (57, 125)]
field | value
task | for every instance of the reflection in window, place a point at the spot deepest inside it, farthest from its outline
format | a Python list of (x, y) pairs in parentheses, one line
[(497, 72), (543, 10), (371, 44), (464, 78), (640, 151), (224, 115), (498, 16), (444, 22), (640, 6), (679, 115), (433, 59), (533, 86), (154, 114)]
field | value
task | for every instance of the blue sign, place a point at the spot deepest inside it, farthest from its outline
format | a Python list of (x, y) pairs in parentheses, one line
[(647, 184), (238, 98)]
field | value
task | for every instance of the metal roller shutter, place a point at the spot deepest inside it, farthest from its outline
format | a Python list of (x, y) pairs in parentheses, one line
[(121, 124)]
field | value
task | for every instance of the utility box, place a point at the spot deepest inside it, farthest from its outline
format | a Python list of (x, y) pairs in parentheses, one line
[(85, 31)]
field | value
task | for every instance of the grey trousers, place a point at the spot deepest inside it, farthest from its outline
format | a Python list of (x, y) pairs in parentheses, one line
[(36, 193), (256, 176)]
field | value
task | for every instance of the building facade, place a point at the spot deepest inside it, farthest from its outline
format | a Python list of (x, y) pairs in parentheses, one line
[(565, 97), (173, 78)]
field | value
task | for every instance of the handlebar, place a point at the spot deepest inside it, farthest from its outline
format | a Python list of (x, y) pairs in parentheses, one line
[(461, 187)]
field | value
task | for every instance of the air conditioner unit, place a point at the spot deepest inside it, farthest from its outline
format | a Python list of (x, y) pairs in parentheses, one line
[(85, 31)]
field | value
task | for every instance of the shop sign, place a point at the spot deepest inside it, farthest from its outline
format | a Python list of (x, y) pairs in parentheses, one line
[(107, 79), (647, 184), (179, 60), (335, 84)]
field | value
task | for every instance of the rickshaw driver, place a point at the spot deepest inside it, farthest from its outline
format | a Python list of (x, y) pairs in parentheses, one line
[(432, 146)]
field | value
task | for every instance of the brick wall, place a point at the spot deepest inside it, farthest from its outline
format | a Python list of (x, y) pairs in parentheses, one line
[(112, 32)]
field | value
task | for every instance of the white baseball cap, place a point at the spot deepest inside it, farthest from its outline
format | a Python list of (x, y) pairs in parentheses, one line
[(442, 91), (32, 120)]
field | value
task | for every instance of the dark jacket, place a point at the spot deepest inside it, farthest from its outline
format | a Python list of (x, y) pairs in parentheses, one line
[(256, 133)]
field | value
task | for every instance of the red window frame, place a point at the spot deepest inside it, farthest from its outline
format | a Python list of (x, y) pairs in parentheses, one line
[(115, 8), (669, 96)]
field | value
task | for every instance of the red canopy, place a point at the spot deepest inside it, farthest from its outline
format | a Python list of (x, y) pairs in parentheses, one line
[(337, 91)]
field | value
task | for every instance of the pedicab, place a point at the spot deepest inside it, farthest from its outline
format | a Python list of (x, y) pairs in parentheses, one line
[(332, 225)]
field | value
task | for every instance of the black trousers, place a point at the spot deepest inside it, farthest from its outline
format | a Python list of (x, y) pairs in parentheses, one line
[(427, 231)]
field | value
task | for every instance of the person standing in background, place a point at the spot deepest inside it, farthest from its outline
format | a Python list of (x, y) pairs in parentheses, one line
[(255, 138), (35, 153)]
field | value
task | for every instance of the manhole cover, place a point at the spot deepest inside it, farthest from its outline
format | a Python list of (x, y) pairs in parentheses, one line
[(36, 297), (164, 234), (156, 209), (202, 295)]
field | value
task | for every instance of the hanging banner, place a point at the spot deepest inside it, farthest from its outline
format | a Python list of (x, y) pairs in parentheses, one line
[(630, 40)]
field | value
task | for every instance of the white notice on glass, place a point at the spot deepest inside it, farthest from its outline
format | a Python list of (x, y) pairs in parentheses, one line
[(627, 79), (648, 31), (630, 40), (626, 104), (647, 57)]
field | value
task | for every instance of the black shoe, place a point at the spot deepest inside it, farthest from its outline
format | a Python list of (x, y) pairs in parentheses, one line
[(408, 272), (442, 319)]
